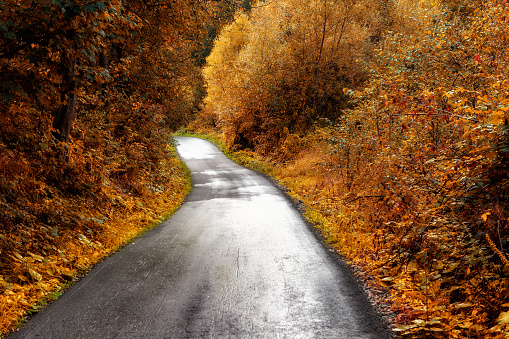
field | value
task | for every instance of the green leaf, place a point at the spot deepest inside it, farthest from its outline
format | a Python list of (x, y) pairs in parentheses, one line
[(89, 8), (100, 5), (9, 35)]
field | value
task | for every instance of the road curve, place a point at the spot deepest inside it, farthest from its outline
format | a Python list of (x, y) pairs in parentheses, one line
[(235, 261)]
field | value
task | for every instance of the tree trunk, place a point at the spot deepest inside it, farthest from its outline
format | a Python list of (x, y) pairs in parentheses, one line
[(62, 121), (64, 116), (104, 63), (319, 58)]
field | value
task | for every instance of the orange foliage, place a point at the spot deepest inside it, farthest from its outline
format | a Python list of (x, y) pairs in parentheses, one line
[(422, 185), (59, 220), (409, 179), (90, 93)]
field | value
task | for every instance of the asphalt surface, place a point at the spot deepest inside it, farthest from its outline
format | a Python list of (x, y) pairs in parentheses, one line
[(236, 261)]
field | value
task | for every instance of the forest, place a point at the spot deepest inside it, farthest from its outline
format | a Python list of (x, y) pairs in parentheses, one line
[(387, 119)]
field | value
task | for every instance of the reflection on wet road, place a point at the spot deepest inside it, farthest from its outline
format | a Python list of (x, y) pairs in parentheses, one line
[(236, 261)]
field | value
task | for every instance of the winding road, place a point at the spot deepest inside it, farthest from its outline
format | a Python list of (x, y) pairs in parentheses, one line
[(236, 261)]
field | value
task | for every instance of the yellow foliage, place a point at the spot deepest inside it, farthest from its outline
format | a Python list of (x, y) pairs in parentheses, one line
[(39, 276), (80, 212)]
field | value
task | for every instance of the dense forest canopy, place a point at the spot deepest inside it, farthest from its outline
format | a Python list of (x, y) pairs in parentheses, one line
[(283, 67)]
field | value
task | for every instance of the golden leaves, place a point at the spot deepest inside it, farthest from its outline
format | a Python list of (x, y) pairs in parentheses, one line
[(33, 275), (503, 318), (498, 117), (484, 216)]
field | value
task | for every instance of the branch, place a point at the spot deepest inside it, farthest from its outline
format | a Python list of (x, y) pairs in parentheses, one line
[(439, 114)]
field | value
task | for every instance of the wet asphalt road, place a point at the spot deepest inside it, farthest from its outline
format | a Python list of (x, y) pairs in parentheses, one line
[(236, 261)]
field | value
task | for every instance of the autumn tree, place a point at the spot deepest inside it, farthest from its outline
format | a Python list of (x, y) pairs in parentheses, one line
[(51, 49), (282, 68), (427, 141)]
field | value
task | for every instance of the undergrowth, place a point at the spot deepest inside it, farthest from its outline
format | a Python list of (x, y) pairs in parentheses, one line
[(122, 178), (444, 281)]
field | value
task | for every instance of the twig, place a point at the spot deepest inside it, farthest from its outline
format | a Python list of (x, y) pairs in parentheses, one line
[(439, 114), (500, 254), (499, 237)]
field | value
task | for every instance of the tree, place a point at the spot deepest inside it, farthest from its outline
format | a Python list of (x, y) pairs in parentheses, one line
[(282, 69), (63, 38)]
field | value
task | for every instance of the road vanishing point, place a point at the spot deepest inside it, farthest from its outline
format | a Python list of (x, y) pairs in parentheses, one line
[(237, 260)]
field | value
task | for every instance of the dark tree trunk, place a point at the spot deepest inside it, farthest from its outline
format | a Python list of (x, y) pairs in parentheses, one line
[(64, 116), (104, 63), (103, 59)]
